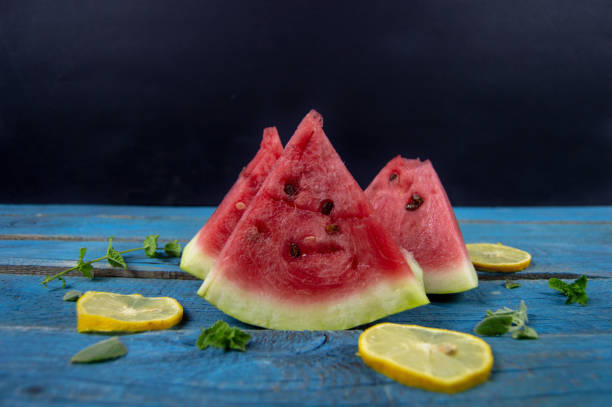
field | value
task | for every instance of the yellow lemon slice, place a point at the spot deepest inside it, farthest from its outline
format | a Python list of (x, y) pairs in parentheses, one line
[(497, 257), (109, 312), (429, 358)]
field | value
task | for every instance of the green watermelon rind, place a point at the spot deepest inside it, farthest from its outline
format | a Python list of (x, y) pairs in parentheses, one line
[(453, 279), (368, 305), (194, 261)]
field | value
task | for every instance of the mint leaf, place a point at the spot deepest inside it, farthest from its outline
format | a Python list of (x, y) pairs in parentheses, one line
[(557, 284), (221, 335), (72, 295), (507, 320), (84, 268), (150, 245), (525, 333), (522, 313), (108, 349), (115, 258), (173, 249), (494, 325), (511, 285), (575, 292)]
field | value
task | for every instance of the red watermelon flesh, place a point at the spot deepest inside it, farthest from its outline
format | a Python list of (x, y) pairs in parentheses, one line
[(308, 253), (201, 252), (411, 203)]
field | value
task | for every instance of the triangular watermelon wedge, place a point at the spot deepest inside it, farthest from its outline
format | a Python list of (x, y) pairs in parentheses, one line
[(308, 254), (411, 203), (201, 252)]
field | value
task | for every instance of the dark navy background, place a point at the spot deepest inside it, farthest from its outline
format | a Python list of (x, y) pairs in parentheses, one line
[(162, 102)]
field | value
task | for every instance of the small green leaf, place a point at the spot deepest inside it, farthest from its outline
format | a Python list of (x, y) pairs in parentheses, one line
[(84, 268), (494, 325), (150, 245), (221, 335), (525, 333), (507, 320), (557, 284), (173, 249), (72, 295), (104, 350), (522, 313), (511, 285), (581, 282), (575, 292), (115, 258)]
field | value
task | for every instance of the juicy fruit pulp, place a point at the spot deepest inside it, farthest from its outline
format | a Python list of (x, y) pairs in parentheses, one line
[(201, 252), (308, 254), (411, 203), (429, 358), (110, 312)]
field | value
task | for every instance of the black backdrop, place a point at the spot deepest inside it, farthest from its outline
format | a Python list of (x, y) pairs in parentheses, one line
[(163, 102)]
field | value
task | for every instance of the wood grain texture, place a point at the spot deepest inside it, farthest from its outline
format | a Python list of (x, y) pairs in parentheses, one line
[(66, 222), (32, 305), (561, 240), (289, 368), (570, 363), (494, 214)]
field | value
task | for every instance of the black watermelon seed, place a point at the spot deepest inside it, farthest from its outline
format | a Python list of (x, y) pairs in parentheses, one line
[(393, 177), (327, 206), (415, 202), (290, 189), (294, 250)]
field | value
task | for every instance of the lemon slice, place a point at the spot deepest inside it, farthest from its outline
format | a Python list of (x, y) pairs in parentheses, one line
[(109, 312), (429, 358), (497, 257)]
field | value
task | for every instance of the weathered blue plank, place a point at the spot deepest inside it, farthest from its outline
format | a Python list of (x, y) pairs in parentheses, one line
[(128, 225), (553, 214), (571, 362), (497, 214), (286, 369), (61, 253), (30, 305), (98, 222), (579, 249)]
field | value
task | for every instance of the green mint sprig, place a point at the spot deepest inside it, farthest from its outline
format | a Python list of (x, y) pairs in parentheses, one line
[(575, 292), (115, 257), (507, 320), (221, 335)]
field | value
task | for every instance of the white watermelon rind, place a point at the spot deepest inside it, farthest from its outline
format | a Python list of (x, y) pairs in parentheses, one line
[(194, 261), (451, 279), (381, 300)]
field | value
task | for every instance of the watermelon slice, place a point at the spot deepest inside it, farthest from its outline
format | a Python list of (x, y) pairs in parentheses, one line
[(308, 252), (411, 203), (201, 252)]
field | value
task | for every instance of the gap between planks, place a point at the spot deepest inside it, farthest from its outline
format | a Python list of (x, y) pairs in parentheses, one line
[(179, 275)]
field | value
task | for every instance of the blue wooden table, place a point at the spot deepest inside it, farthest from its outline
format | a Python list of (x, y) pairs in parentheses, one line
[(570, 364)]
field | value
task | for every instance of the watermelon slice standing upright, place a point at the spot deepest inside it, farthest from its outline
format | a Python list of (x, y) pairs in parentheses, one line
[(308, 252), (411, 203), (201, 252)]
